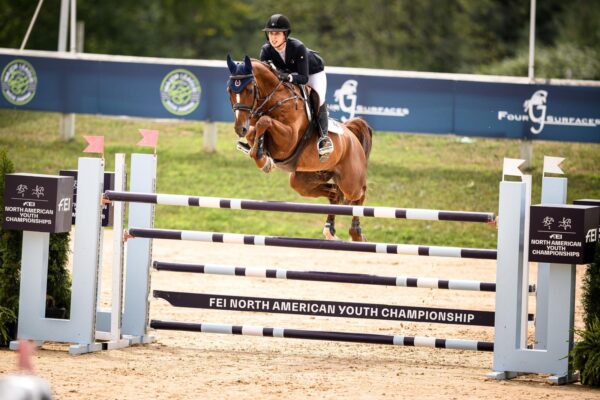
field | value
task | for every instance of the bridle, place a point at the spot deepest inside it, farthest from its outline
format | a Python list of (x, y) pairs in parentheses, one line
[(257, 110)]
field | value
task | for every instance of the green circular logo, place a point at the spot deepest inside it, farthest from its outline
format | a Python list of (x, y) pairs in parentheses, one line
[(180, 92), (19, 82)]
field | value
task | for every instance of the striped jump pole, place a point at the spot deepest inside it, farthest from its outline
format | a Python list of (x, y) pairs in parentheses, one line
[(338, 277), (319, 244), (279, 206), (395, 340)]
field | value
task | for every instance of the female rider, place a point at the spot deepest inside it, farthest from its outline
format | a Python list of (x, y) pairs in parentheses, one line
[(298, 65)]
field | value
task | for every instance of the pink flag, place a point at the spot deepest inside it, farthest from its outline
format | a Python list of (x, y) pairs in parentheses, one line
[(95, 144), (149, 138)]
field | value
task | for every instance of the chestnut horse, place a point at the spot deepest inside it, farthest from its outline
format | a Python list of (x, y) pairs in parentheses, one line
[(272, 116)]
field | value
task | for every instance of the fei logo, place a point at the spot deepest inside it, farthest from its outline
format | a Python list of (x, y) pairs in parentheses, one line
[(64, 204), (591, 236), (180, 92), (19, 82), (346, 97), (536, 108)]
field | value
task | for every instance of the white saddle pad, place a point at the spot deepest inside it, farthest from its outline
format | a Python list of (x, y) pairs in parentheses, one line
[(335, 126)]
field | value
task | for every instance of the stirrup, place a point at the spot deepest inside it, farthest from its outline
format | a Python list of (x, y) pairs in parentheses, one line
[(324, 148)]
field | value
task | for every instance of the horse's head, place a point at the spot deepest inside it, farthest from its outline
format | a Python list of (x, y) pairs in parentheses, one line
[(242, 94)]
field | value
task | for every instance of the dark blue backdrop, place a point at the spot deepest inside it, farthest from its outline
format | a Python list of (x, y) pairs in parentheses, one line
[(101, 85)]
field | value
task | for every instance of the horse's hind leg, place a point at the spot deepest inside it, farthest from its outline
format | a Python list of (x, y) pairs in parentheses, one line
[(355, 229), (316, 184), (335, 197)]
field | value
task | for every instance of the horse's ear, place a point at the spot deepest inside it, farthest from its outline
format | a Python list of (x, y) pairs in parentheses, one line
[(231, 65), (248, 64)]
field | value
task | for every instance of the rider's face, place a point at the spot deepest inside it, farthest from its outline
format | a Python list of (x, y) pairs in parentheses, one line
[(277, 39)]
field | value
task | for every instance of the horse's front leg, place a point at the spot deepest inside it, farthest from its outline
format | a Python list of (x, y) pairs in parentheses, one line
[(262, 126), (255, 138)]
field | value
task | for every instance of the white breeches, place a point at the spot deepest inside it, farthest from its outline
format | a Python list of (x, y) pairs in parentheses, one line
[(318, 82)]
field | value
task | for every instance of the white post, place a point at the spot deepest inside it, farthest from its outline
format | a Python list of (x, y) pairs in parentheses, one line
[(80, 36), (210, 137), (526, 144), (31, 24), (108, 326), (554, 191), (63, 25), (67, 121), (137, 276), (531, 74)]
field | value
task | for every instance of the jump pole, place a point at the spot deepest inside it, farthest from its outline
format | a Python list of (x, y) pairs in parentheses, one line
[(337, 277), (318, 244), (279, 206), (395, 340)]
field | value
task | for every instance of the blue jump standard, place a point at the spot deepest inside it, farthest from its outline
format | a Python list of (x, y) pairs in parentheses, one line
[(395, 340), (279, 206), (319, 244)]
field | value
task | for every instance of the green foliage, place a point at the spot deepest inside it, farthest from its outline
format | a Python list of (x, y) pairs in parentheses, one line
[(590, 297), (564, 61), (426, 35), (7, 319), (585, 356), (58, 287), (10, 259)]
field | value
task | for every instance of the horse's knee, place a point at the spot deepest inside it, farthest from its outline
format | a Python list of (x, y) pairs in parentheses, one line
[(263, 123)]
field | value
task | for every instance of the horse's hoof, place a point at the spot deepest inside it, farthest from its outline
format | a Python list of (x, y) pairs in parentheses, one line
[(359, 238), (328, 235)]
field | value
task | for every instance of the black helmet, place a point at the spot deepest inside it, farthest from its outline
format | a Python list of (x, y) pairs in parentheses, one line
[(278, 23)]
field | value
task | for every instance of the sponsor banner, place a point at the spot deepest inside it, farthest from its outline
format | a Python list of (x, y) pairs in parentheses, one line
[(388, 103)]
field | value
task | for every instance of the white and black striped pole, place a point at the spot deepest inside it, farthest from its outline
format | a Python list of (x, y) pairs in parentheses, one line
[(279, 206), (395, 340), (318, 244), (338, 277)]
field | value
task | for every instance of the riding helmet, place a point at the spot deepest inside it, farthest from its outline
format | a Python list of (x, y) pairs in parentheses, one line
[(278, 23)]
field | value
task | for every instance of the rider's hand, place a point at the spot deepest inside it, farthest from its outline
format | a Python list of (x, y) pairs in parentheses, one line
[(286, 77)]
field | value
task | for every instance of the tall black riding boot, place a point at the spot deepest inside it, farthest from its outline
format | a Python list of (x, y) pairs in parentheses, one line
[(324, 144)]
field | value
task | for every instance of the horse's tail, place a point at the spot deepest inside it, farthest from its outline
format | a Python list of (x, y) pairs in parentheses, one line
[(363, 132)]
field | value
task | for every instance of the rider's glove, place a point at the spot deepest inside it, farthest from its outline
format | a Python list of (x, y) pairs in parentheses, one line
[(286, 77)]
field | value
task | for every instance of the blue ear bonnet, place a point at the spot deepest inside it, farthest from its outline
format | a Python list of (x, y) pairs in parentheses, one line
[(240, 79)]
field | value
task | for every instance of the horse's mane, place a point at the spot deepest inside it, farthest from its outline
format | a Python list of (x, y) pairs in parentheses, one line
[(262, 64)]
